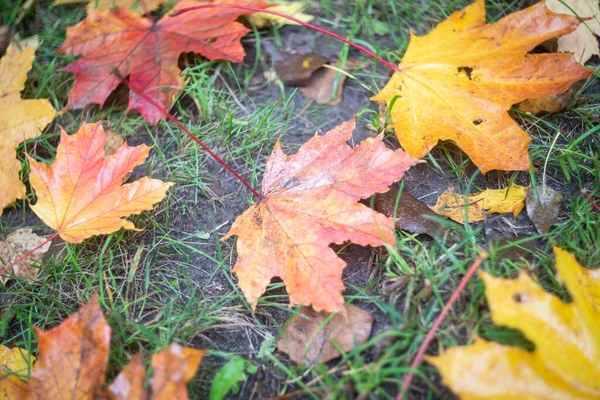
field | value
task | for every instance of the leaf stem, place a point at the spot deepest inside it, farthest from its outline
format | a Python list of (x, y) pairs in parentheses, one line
[(423, 348), (30, 252), (296, 20), (589, 198), (171, 118)]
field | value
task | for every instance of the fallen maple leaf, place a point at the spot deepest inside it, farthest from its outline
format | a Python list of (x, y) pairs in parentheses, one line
[(583, 41), (14, 367), (72, 364), (312, 337), (16, 245), (566, 360), (141, 6), (461, 208), (310, 201), (20, 119), (81, 194), (458, 82), (121, 43), (293, 8)]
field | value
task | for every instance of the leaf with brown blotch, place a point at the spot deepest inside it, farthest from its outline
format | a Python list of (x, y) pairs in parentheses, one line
[(20, 119), (459, 81), (566, 361), (172, 369), (309, 339), (321, 85), (16, 245), (121, 43), (472, 208), (81, 194), (72, 357), (310, 201)]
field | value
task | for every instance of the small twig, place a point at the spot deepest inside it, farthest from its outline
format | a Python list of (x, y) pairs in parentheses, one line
[(589, 198), (30, 252), (296, 20), (171, 118), (421, 352)]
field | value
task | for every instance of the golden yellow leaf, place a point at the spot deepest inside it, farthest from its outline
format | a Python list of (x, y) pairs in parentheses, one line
[(461, 208), (293, 8), (141, 6), (20, 119), (566, 360), (583, 43), (14, 364), (459, 81)]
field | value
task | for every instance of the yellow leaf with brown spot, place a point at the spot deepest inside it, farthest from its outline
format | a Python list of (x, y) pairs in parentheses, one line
[(293, 8), (566, 360), (20, 119), (461, 208), (459, 81)]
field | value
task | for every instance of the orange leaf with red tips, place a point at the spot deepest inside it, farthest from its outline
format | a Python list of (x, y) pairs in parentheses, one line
[(458, 82), (310, 201), (81, 194), (121, 43)]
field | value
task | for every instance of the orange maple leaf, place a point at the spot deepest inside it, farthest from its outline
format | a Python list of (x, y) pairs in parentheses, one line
[(121, 43), (73, 357), (310, 201), (81, 194), (458, 82)]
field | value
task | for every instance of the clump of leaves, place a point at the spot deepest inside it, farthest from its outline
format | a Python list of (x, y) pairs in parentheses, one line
[(72, 363), (310, 201), (458, 82), (566, 360)]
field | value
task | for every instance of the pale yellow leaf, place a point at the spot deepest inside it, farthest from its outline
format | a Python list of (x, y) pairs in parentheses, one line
[(293, 8)]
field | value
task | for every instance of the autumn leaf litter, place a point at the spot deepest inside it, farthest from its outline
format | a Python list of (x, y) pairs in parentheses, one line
[(193, 221)]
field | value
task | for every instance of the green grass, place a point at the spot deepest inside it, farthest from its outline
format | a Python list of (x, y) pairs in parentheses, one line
[(181, 288)]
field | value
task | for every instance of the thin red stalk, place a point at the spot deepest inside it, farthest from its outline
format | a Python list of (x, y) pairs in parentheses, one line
[(592, 202), (421, 353), (30, 252), (311, 26), (192, 136)]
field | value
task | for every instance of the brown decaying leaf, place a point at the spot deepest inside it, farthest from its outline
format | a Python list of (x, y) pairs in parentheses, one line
[(16, 245), (308, 340), (543, 207), (409, 213), (459, 81), (296, 69), (321, 85), (310, 201), (121, 43), (4, 37)]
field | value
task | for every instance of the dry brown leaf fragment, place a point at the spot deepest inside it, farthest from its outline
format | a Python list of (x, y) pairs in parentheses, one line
[(296, 69), (321, 85), (583, 42), (461, 208), (543, 207), (309, 336), (16, 245)]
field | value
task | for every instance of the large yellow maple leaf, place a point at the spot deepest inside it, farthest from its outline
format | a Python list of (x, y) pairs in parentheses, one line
[(566, 360), (458, 82), (81, 194), (19, 119)]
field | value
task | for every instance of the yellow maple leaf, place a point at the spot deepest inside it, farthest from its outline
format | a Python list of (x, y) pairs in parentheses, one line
[(461, 208), (20, 119), (141, 6), (14, 365), (293, 8), (459, 81), (566, 360)]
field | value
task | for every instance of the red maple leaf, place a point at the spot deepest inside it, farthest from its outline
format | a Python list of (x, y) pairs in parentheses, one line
[(121, 43)]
